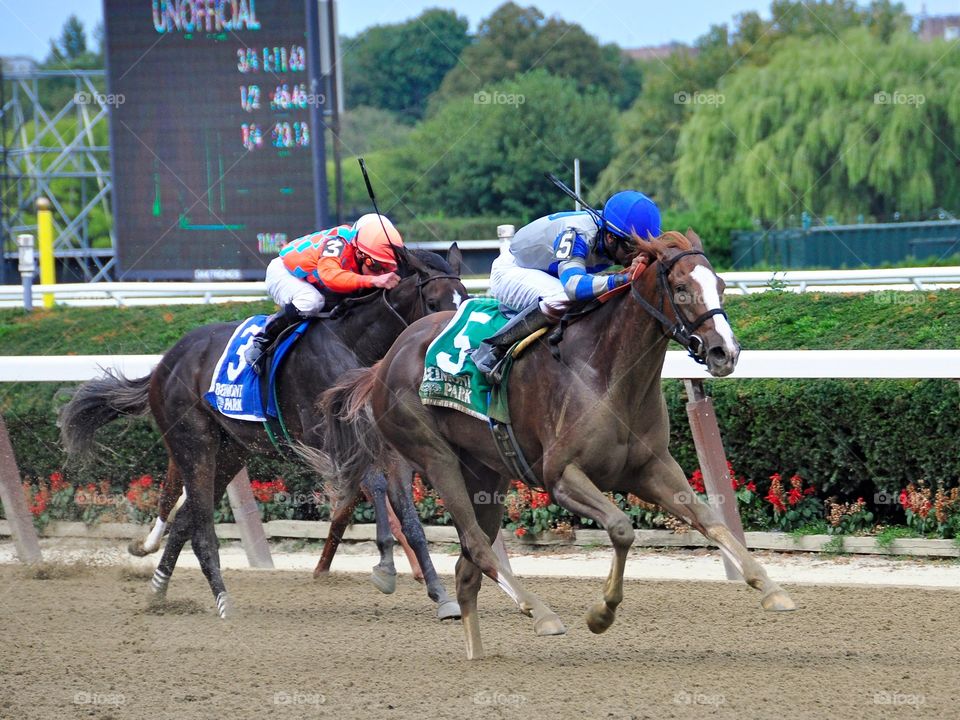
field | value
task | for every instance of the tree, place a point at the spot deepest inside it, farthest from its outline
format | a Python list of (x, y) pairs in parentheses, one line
[(69, 52), (516, 40), (833, 127), (73, 40), (486, 154), (397, 67), (646, 139)]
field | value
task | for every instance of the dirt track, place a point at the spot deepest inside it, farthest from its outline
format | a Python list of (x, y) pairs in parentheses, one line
[(83, 645)]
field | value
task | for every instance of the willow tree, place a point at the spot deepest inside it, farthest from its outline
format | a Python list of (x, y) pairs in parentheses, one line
[(832, 126)]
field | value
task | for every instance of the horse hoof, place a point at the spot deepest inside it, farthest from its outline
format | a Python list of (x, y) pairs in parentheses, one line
[(137, 549), (384, 581), (448, 610), (549, 624), (600, 618), (224, 606), (319, 572), (778, 601)]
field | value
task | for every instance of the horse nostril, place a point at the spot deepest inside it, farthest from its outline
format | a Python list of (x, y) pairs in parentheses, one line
[(718, 354)]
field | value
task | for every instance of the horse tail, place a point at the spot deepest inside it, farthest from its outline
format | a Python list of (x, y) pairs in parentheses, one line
[(97, 403), (351, 439)]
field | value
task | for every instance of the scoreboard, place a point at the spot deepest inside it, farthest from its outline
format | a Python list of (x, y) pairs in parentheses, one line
[(214, 136)]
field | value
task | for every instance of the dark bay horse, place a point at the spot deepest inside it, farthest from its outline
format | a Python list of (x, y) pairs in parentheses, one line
[(595, 421), (206, 449)]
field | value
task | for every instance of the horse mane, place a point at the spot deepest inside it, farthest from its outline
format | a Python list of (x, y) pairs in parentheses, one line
[(432, 260), (671, 238), (676, 240)]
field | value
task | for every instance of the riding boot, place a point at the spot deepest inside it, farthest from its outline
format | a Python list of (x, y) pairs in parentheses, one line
[(278, 322), (490, 355)]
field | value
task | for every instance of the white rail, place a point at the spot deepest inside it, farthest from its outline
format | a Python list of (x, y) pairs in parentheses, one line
[(782, 364), (175, 293)]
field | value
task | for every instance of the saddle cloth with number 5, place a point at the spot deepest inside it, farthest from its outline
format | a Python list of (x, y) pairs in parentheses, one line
[(450, 378)]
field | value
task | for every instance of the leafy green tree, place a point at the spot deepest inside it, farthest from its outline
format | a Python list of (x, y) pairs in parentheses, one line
[(517, 39), (397, 67), (646, 139), (831, 126), (69, 52), (365, 129), (486, 154)]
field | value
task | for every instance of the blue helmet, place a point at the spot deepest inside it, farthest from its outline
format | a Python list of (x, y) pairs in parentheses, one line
[(629, 212)]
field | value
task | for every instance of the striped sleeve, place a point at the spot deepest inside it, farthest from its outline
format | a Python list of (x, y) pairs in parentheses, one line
[(571, 251)]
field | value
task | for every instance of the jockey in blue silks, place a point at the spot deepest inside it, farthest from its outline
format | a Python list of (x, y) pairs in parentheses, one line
[(556, 260)]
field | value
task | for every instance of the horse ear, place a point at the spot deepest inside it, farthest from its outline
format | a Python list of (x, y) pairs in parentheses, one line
[(694, 239), (455, 258)]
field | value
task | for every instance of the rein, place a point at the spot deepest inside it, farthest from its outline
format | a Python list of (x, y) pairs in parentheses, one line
[(682, 329)]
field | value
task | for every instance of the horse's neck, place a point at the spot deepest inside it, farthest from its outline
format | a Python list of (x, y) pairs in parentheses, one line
[(631, 346), (368, 330)]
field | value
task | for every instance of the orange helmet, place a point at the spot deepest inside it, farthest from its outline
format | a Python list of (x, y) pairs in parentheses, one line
[(373, 242)]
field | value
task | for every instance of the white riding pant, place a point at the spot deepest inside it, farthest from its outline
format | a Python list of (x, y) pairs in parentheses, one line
[(284, 288), (517, 287)]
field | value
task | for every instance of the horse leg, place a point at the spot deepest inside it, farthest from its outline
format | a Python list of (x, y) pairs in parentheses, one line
[(577, 493), (397, 529), (401, 498), (339, 521), (384, 576), (475, 545), (671, 491), (172, 498), (179, 534)]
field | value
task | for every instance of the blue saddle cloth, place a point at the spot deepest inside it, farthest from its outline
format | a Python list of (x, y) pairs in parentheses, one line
[(236, 391)]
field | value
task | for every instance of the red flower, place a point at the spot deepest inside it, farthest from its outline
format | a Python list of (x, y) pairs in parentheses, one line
[(810, 490), (751, 486), (520, 531), (539, 500), (57, 483), (696, 481), (904, 500), (419, 491), (794, 496)]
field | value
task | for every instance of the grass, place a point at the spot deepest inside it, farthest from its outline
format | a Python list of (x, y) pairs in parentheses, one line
[(884, 539), (834, 546), (816, 528)]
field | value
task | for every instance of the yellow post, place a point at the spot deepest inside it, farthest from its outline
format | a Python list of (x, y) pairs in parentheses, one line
[(48, 270)]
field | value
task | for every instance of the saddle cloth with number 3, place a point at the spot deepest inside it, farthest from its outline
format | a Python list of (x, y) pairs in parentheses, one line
[(235, 389)]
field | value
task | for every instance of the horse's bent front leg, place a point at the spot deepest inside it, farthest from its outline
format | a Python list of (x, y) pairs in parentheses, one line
[(577, 493), (400, 494), (172, 497), (669, 489)]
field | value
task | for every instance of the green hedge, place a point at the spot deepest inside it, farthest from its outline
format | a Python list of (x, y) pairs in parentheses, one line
[(852, 438)]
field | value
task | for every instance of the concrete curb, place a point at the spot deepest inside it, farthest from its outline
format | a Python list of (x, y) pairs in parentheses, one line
[(308, 530)]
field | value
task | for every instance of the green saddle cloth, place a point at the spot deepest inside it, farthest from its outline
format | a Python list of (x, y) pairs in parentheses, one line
[(450, 377)]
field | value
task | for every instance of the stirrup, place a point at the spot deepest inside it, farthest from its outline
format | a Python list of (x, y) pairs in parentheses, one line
[(260, 356)]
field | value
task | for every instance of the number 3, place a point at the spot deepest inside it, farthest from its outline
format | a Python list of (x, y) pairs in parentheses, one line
[(332, 248)]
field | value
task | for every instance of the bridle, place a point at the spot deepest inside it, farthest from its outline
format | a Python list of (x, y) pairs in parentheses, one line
[(682, 329), (421, 301)]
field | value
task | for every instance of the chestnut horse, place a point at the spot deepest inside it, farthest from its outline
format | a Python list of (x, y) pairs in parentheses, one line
[(207, 449), (594, 422)]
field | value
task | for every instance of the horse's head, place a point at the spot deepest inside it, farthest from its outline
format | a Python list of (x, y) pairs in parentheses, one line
[(428, 283), (690, 304)]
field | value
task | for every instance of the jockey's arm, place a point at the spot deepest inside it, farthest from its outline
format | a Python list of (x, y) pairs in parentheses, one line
[(341, 281), (571, 251)]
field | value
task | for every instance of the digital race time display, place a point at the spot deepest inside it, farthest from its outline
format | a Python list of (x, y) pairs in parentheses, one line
[(213, 144)]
